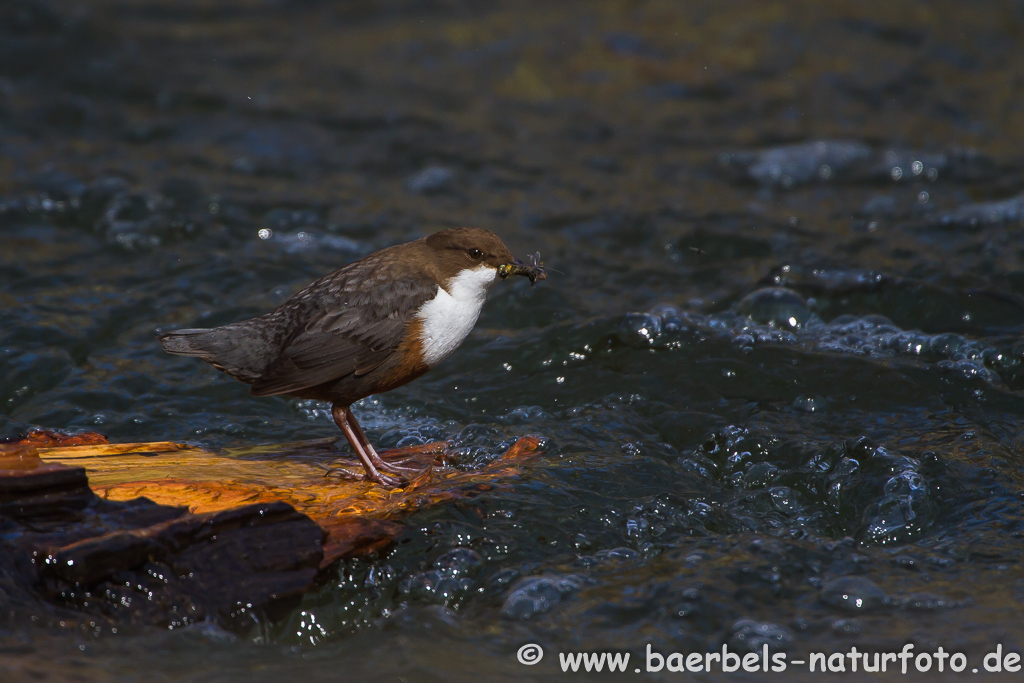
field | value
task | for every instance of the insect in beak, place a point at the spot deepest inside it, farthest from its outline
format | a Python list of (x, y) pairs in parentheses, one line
[(533, 270)]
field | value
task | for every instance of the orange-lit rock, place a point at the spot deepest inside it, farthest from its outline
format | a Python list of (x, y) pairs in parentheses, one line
[(358, 516)]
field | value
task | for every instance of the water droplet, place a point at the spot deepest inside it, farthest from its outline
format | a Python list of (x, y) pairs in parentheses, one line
[(853, 594)]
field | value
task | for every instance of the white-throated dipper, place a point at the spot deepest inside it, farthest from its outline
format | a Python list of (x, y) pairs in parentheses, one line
[(366, 328)]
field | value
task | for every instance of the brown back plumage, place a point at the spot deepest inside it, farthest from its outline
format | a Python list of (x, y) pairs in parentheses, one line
[(347, 324)]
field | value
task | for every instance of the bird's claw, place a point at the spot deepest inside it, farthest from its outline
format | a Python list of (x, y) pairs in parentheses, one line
[(400, 470), (385, 480)]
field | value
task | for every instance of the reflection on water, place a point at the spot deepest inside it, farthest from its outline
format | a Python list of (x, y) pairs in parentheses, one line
[(781, 364)]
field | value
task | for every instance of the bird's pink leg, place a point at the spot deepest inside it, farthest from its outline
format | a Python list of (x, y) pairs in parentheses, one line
[(377, 461), (343, 418)]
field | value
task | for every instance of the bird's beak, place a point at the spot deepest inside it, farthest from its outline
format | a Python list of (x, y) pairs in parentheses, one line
[(517, 267)]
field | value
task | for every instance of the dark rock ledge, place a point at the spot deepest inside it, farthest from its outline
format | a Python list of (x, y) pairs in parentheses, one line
[(66, 553)]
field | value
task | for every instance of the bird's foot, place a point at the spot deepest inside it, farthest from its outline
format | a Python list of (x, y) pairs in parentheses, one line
[(385, 480), (401, 469)]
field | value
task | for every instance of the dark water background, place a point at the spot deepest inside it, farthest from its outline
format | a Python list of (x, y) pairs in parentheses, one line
[(725, 462)]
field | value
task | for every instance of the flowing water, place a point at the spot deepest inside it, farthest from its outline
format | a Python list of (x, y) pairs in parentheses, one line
[(780, 369)]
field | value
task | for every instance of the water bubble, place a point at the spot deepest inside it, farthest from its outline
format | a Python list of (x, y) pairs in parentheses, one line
[(536, 595), (801, 163), (617, 555), (751, 636), (896, 173), (265, 233), (844, 627), (760, 474), (435, 586), (808, 404), (776, 306), (499, 580), (853, 594), (927, 602), (459, 562), (640, 329), (630, 448), (379, 576)]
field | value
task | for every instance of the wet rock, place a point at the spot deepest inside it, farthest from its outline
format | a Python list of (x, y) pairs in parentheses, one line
[(537, 595), (855, 594), (48, 438), (776, 306), (142, 563), (45, 491)]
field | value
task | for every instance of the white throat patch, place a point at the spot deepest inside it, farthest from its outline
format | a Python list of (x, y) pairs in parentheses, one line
[(449, 317)]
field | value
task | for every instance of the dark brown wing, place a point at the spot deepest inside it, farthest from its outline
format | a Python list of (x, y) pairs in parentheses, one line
[(346, 324)]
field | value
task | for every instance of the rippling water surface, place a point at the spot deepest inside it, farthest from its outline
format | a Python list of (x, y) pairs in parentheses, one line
[(780, 369)]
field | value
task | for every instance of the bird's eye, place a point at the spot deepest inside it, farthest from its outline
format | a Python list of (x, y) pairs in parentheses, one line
[(475, 254)]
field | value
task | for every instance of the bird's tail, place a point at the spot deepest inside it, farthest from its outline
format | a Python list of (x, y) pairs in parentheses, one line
[(225, 348), (191, 342)]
